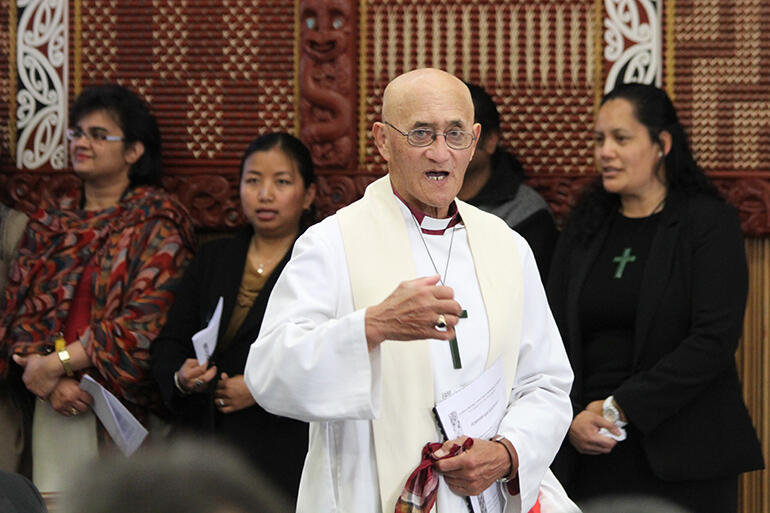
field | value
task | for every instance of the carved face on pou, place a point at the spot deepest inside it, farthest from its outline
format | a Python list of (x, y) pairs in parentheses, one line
[(325, 28), (428, 177)]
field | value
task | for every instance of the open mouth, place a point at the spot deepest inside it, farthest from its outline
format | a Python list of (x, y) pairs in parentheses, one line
[(437, 175), (266, 215)]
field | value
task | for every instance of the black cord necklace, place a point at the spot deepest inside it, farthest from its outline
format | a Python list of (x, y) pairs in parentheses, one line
[(453, 346)]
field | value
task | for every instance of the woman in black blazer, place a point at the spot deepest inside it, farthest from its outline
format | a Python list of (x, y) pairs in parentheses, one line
[(648, 286), (276, 188)]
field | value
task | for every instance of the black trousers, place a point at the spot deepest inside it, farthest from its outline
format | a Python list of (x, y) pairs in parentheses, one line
[(625, 470)]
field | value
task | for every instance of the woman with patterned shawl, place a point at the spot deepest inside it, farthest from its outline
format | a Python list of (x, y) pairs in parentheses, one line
[(92, 284)]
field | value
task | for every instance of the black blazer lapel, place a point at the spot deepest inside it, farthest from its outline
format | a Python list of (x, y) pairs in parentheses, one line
[(582, 260), (231, 273), (657, 273)]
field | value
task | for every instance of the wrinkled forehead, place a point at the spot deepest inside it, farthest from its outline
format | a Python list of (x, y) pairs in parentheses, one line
[(431, 98)]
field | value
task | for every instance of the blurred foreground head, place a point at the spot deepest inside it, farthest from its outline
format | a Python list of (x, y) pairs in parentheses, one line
[(631, 504), (188, 476)]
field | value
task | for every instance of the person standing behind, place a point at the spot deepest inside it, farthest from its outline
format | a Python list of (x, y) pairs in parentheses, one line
[(648, 287), (494, 182), (357, 335), (277, 186), (12, 224), (92, 283), (12, 435)]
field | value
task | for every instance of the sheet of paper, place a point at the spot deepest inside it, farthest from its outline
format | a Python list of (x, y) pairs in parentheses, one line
[(127, 433), (205, 341), (476, 411)]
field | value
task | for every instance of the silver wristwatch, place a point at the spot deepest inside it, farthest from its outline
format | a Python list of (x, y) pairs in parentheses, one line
[(609, 410)]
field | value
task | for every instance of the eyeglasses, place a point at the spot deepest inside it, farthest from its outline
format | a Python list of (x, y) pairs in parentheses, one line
[(424, 136), (93, 134)]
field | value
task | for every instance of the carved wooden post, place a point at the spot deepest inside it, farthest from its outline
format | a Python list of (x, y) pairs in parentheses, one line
[(328, 95)]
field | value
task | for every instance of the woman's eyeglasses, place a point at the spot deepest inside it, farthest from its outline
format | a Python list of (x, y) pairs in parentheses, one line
[(92, 134)]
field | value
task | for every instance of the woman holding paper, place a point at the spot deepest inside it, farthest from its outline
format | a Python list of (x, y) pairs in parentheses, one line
[(92, 283), (276, 189)]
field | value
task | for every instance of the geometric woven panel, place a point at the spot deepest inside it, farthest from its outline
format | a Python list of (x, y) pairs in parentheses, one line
[(721, 84), (722, 81), (5, 125), (214, 72)]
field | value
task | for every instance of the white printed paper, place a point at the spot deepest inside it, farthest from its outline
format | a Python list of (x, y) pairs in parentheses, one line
[(476, 411), (205, 341), (127, 433)]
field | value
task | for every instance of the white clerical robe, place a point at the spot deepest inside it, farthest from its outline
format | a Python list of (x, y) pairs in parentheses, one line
[(311, 362)]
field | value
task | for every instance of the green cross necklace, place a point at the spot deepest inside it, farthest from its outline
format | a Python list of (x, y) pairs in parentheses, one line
[(454, 349), (622, 261)]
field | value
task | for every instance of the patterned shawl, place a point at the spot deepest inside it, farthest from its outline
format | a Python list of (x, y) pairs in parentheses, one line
[(139, 249)]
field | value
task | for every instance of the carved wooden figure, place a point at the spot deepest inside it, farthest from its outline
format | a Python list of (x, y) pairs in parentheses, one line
[(327, 81)]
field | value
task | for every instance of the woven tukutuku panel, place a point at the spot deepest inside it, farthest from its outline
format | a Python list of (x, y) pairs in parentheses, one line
[(722, 81), (216, 73), (722, 92), (4, 80)]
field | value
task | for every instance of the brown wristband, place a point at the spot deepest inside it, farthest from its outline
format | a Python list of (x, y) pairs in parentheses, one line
[(511, 454)]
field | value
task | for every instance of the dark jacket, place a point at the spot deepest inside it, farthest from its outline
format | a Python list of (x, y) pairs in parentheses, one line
[(276, 445), (684, 394), (507, 196)]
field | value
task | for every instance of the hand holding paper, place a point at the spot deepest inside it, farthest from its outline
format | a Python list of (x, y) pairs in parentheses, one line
[(193, 377), (474, 471), (476, 411), (127, 433), (205, 341)]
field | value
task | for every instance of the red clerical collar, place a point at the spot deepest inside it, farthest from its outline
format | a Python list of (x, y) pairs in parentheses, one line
[(431, 225)]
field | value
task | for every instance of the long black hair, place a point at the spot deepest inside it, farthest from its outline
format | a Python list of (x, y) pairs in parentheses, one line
[(652, 107), (135, 120)]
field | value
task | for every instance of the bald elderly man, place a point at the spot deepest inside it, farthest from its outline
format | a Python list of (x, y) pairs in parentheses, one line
[(355, 336)]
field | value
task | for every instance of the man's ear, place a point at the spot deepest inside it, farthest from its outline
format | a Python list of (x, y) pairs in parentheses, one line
[(379, 133), (477, 133), (133, 152)]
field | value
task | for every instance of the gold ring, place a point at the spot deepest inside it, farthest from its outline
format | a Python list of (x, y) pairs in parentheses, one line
[(74, 411), (441, 322)]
